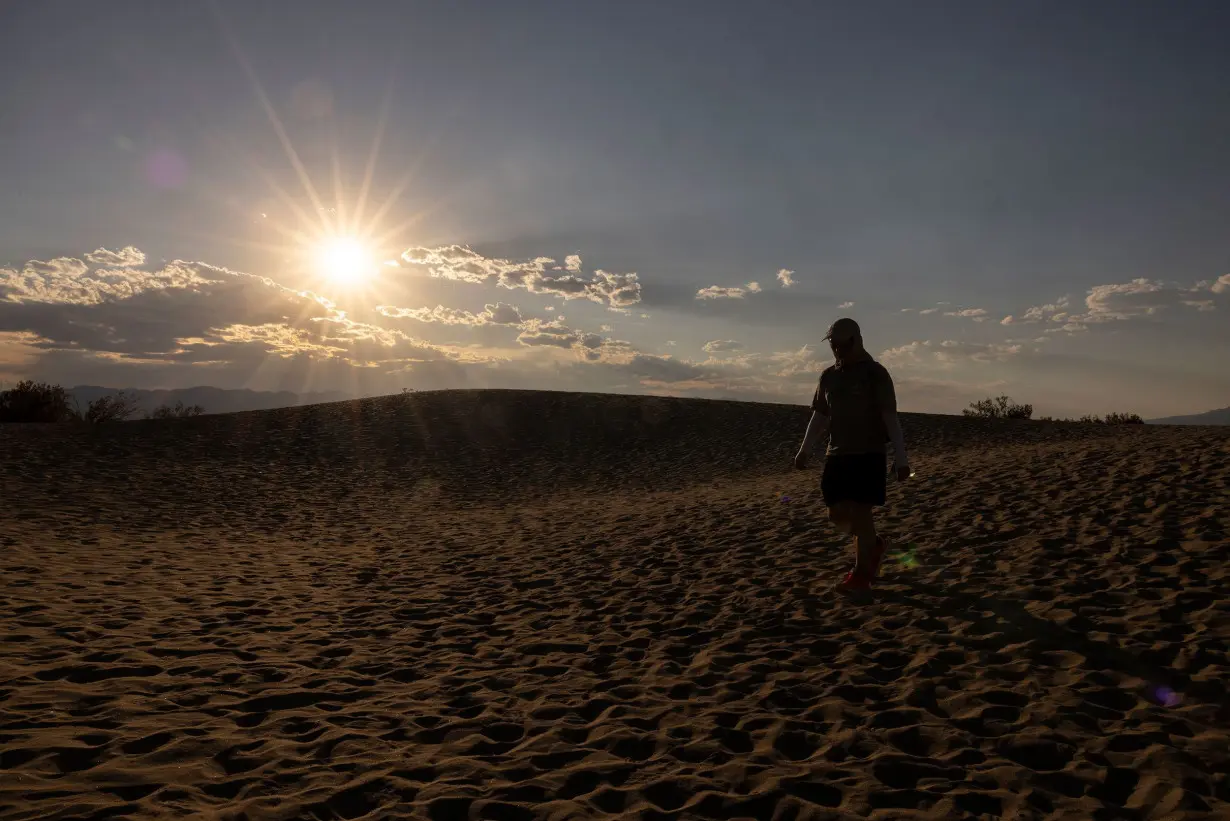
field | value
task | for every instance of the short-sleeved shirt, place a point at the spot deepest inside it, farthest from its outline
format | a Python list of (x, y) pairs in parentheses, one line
[(854, 396)]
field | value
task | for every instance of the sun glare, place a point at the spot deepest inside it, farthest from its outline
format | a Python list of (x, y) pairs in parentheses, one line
[(344, 260)]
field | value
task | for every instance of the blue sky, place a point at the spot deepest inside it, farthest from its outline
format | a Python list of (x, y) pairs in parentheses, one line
[(1022, 198)]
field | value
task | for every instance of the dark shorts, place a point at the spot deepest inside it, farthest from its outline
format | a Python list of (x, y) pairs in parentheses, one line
[(855, 477)]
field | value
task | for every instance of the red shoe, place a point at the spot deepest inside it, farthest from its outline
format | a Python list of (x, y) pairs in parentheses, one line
[(853, 582)]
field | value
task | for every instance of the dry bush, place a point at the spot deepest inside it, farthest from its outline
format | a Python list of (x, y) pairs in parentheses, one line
[(177, 411), (107, 409), (999, 407), (30, 401)]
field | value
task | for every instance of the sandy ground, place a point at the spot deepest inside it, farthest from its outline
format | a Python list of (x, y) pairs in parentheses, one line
[(517, 605)]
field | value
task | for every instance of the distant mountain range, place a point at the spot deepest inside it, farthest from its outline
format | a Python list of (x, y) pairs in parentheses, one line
[(213, 400), (1213, 417)]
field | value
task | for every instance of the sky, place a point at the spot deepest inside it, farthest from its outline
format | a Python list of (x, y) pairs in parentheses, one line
[(675, 198)]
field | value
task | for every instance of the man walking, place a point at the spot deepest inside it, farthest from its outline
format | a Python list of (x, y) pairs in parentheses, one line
[(856, 406)]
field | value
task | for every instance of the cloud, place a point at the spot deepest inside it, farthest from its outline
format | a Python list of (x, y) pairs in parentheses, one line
[(1222, 285), (720, 292), (786, 278), (968, 312), (455, 262), (193, 316), (500, 313), (738, 292), (722, 346), (125, 257), (950, 351), (590, 347), (926, 311), (58, 267), (69, 281), (845, 305), (1120, 302)]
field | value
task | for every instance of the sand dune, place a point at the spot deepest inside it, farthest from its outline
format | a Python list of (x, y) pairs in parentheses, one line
[(508, 605)]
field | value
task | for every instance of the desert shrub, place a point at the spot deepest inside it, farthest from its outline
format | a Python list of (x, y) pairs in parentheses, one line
[(1112, 419), (177, 411), (30, 401), (999, 407), (1108, 419), (115, 408)]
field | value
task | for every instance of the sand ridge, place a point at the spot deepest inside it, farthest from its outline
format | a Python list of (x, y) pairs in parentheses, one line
[(509, 604)]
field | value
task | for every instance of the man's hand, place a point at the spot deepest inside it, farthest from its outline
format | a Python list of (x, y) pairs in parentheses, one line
[(800, 460), (903, 472)]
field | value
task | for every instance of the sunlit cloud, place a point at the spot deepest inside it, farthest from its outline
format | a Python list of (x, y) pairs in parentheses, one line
[(58, 267), (720, 292), (191, 314), (500, 313), (722, 346), (1119, 302), (846, 305), (587, 346), (949, 351), (123, 258), (977, 314), (69, 281), (455, 262), (786, 278)]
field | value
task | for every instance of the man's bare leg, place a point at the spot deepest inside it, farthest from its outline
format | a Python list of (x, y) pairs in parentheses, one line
[(863, 525), (839, 515)]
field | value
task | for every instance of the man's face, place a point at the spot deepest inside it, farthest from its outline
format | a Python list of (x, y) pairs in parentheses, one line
[(842, 344)]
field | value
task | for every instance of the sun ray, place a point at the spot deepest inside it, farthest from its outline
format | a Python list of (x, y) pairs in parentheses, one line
[(407, 178), (377, 140), (274, 120), (339, 191)]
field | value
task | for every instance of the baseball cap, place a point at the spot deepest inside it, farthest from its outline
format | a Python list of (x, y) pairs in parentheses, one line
[(844, 328)]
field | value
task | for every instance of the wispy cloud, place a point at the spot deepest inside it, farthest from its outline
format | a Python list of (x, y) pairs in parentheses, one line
[(722, 346), (722, 292), (977, 314), (784, 276), (846, 305), (500, 313), (1120, 302), (949, 352)]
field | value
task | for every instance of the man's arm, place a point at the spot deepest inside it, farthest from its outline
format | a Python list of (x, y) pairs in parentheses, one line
[(893, 425), (886, 399), (817, 427)]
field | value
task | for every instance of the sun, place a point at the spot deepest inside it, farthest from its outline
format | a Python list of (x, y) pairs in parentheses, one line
[(344, 260)]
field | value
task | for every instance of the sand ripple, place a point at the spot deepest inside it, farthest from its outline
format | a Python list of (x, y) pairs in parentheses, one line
[(469, 606)]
